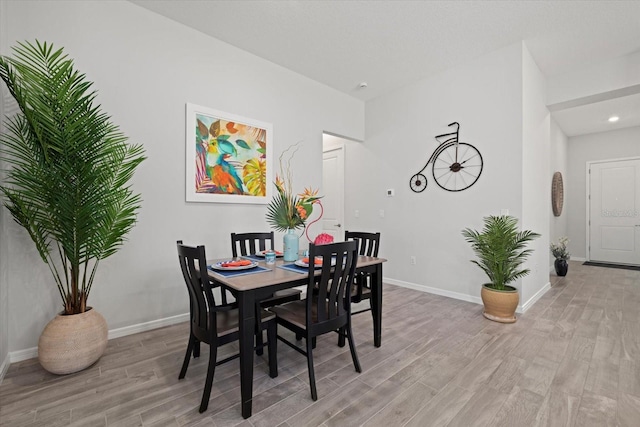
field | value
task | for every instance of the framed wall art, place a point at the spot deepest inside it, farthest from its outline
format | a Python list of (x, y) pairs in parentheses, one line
[(229, 157)]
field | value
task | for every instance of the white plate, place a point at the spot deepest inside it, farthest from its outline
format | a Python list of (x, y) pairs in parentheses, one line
[(219, 266), (301, 263), (261, 253)]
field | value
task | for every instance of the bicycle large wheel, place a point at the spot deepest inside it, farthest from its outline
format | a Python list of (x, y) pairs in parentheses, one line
[(457, 167)]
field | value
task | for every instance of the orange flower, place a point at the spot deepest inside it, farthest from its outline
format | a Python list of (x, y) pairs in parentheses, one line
[(302, 212), (279, 184), (309, 193)]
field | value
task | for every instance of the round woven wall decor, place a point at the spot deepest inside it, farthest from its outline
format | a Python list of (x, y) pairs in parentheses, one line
[(557, 194)]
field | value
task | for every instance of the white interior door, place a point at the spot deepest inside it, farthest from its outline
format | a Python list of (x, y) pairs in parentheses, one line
[(614, 211), (333, 191)]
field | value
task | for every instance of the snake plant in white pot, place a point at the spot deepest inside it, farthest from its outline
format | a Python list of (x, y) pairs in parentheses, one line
[(68, 184)]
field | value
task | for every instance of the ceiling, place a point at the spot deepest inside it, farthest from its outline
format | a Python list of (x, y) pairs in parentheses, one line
[(389, 44)]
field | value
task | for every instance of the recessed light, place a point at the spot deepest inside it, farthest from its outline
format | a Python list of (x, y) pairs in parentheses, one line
[(613, 119)]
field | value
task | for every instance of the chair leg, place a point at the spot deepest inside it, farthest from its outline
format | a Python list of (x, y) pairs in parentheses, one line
[(313, 342), (272, 338), (341, 334), (352, 347), (312, 376), (213, 353), (196, 348), (187, 357), (259, 343), (298, 337), (258, 327)]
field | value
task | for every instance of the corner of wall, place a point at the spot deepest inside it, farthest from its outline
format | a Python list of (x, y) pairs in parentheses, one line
[(4, 286), (536, 174)]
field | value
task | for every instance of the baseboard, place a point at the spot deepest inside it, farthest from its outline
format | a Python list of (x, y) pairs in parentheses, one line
[(527, 305), (4, 367), (456, 295), (435, 291), (578, 258), (30, 353), (147, 326), (20, 355)]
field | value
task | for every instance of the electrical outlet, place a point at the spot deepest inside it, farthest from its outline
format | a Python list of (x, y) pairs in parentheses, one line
[(412, 260), (381, 213), (504, 211), (357, 214)]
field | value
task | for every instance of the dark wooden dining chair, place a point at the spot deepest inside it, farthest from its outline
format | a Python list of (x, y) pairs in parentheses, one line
[(368, 245), (325, 309), (214, 324), (243, 244)]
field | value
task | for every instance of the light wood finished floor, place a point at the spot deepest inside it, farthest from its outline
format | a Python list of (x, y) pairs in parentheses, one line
[(571, 360)]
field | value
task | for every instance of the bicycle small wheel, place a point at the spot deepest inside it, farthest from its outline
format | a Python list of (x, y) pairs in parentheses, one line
[(418, 183), (457, 166)]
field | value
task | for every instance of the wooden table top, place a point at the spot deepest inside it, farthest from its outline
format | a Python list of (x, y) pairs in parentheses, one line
[(276, 276)]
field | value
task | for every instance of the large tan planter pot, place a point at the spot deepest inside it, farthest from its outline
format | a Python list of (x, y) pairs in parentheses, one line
[(500, 306), (71, 343)]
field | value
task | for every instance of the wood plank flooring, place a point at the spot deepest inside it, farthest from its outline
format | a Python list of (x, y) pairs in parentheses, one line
[(572, 360)]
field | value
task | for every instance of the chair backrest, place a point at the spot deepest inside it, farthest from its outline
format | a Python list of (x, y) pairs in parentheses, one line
[(332, 286), (201, 299), (368, 243), (247, 242)]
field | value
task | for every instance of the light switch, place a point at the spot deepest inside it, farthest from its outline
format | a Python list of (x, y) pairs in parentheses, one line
[(381, 213)]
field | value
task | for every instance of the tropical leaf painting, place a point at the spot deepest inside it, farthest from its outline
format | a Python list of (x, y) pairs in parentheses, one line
[(230, 156)]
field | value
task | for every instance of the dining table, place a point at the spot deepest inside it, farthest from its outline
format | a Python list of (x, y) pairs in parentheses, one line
[(248, 287)]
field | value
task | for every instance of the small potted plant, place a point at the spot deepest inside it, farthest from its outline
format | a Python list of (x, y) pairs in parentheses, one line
[(501, 250), (559, 250)]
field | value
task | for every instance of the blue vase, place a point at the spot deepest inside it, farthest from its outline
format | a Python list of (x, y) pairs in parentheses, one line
[(291, 243)]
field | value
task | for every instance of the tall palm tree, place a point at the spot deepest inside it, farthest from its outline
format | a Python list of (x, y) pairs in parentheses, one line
[(70, 167)]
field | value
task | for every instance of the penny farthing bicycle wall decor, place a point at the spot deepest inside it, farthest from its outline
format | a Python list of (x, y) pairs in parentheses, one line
[(455, 165)]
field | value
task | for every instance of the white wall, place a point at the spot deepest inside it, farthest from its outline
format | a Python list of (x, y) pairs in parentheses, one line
[(146, 68), (616, 144), (536, 176), (614, 74), (558, 225), (486, 97)]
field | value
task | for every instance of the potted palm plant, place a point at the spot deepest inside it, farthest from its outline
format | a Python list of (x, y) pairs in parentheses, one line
[(501, 250), (67, 184)]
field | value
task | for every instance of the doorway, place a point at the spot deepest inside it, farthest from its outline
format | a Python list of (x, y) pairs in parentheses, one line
[(333, 149), (613, 211)]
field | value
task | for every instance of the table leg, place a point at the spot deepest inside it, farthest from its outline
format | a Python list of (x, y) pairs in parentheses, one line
[(246, 305), (376, 305)]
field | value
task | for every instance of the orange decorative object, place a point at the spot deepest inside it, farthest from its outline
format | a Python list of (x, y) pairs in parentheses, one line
[(239, 263)]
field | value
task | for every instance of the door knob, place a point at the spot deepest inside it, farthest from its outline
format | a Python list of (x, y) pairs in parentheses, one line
[(340, 225)]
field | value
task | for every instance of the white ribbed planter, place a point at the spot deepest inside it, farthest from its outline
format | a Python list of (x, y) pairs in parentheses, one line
[(71, 343)]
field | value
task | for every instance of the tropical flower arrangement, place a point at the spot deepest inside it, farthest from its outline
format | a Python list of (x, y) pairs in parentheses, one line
[(288, 210), (559, 250)]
